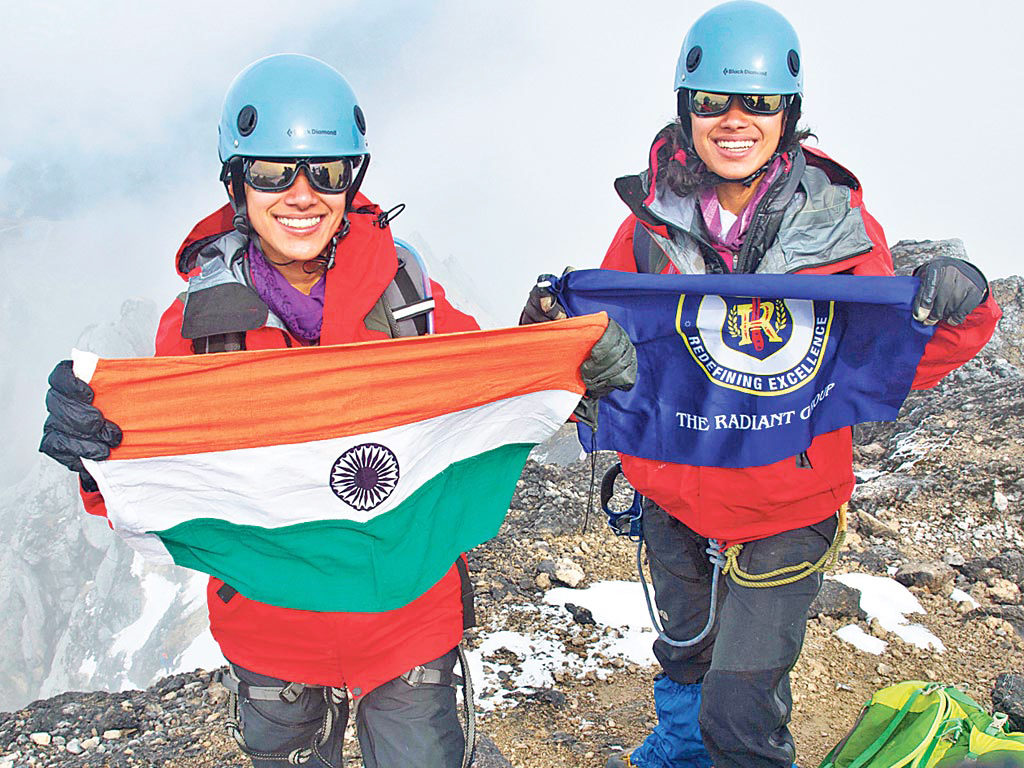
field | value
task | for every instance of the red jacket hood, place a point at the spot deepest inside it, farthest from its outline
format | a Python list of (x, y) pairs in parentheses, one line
[(365, 263), (220, 222)]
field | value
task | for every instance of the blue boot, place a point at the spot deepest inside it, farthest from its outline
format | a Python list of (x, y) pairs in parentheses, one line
[(675, 742)]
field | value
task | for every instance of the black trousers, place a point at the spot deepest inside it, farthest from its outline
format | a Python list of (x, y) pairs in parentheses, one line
[(744, 662), (397, 723)]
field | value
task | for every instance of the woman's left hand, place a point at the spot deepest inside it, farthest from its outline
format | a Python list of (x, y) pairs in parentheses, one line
[(950, 290)]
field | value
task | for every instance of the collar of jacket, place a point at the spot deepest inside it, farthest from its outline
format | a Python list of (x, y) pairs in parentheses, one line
[(817, 203), (365, 264), (667, 210)]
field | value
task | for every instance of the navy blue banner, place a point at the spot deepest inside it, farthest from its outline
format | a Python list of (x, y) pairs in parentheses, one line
[(744, 370)]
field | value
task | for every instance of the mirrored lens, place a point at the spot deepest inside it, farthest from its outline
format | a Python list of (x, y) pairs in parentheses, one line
[(763, 104), (706, 103), (270, 175), (330, 175)]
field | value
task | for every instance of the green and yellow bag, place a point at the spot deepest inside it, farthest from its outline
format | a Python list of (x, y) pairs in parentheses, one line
[(926, 725)]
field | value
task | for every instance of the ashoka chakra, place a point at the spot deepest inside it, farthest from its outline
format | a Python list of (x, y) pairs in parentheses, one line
[(365, 475)]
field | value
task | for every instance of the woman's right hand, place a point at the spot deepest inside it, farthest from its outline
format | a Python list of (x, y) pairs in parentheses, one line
[(74, 428), (541, 304)]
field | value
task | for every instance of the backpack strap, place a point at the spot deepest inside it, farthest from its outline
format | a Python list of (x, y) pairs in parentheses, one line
[(648, 257), (408, 296)]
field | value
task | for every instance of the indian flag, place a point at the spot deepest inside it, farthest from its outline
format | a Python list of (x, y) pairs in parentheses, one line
[(344, 478)]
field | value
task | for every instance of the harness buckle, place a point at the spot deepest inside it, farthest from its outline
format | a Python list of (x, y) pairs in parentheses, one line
[(291, 692), (415, 676)]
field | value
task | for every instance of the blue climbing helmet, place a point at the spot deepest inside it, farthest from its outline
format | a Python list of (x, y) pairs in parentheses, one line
[(741, 47), (289, 106)]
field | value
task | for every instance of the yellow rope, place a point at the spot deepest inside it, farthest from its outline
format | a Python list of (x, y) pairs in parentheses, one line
[(800, 571)]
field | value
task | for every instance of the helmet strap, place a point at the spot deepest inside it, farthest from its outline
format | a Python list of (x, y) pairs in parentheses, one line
[(236, 178), (332, 246), (356, 183), (327, 258)]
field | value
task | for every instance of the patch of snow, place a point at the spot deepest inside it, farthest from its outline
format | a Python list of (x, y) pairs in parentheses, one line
[(195, 590), (202, 653), (959, 596), (158, 595), (535, 659), (613, 603), (867, 475), (88, 666), (889, 601), (861, 640)]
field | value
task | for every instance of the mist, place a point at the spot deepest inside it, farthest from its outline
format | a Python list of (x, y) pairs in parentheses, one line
[(500, 125)]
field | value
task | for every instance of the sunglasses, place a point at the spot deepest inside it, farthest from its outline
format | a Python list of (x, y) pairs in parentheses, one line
[(707, 104), (330, 176)]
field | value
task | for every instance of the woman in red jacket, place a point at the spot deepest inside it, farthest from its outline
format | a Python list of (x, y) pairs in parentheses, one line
[(301, 257), (729, 188)]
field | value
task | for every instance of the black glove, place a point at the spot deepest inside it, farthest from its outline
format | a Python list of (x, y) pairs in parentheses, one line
[(611, 364), (541, 304), (950, 290), (74, 429)]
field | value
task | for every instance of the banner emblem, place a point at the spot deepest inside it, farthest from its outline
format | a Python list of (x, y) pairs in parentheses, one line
[(755, 345)]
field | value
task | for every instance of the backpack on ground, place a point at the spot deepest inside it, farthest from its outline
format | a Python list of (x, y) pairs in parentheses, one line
[(925, 725)]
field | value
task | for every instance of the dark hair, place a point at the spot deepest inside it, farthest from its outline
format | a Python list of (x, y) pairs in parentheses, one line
[(676, 144)]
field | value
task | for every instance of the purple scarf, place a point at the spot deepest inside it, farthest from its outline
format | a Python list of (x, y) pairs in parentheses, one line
[(729, 243), (302, 314)]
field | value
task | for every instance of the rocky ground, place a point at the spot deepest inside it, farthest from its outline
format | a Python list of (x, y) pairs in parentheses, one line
[(940, 503)]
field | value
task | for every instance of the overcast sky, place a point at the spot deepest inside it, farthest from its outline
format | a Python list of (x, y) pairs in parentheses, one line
[(501, 125)]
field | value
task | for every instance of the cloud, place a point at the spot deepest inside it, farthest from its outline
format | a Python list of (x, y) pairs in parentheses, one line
[(502, 126)]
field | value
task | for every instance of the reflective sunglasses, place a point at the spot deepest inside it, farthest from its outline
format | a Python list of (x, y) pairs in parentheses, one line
[(330, 176), (707, 104)]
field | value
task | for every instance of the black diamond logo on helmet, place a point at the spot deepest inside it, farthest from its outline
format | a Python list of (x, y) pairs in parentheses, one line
[(365, 475)]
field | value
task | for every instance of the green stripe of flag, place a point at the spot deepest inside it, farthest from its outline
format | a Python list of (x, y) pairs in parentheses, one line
[(342, 565)]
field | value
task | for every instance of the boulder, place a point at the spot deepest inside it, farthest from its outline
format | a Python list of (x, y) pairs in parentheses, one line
[(1010, 563), (836, 600), (937, 578), (1008, 697), (568, 572)]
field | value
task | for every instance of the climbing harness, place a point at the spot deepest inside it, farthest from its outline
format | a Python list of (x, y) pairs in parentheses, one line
[(629, 522), (288, 693), (421, 675), (335, 714)]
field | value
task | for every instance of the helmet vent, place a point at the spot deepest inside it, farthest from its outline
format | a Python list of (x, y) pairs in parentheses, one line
[(247, 120), (793, 59), (693, 58), (360, 119)]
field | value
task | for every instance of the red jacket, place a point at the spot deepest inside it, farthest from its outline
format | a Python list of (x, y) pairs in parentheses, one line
[(736, 505), (360, 650)]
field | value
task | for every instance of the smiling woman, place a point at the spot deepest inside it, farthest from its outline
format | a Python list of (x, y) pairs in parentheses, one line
[(294, 227), (730, 188), (300, 257)]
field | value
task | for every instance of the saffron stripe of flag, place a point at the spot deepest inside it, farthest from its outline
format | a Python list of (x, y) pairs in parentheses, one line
[(398, 456)]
